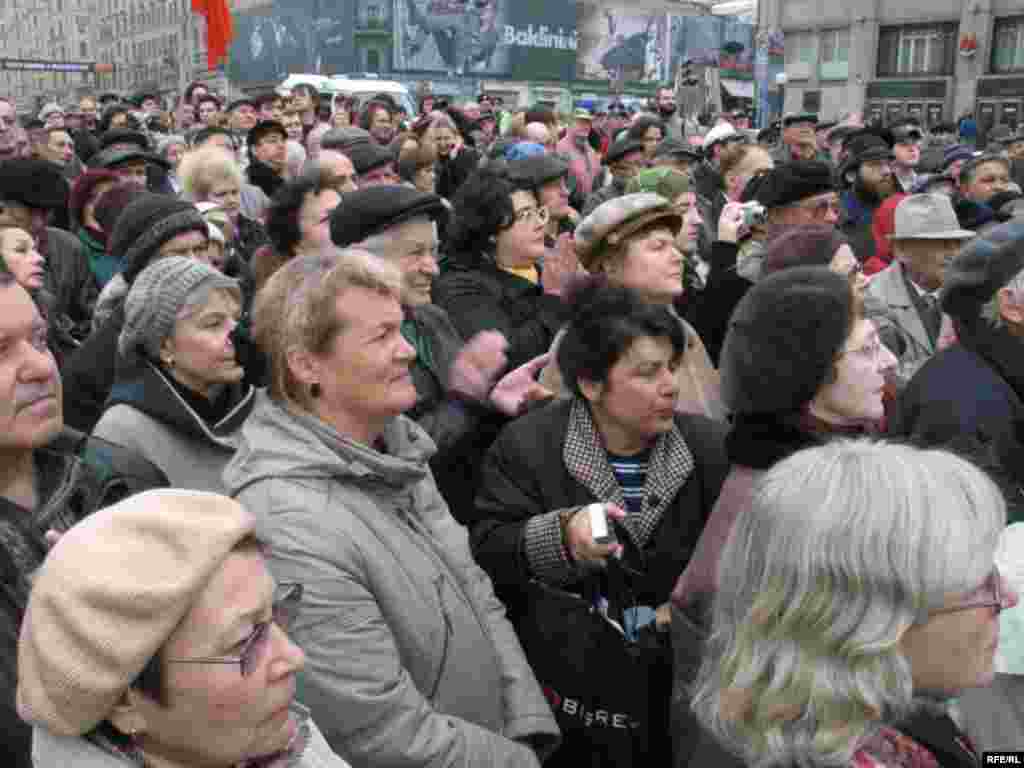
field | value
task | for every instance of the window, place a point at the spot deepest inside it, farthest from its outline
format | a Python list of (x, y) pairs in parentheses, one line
[(1008, 45), (917, 50), (801, 55), (372, 60), (835, 54), (373, 11)]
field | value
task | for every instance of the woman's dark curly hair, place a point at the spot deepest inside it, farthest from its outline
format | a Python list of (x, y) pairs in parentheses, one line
[(482, 208), (283, 214)]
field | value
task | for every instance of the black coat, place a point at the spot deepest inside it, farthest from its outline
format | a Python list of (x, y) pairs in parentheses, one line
[(76, 476), (709, 310), (461, 429), (525, 474), (483, 297), (452, 173), (543, 462), (69, 280), (263, 176)]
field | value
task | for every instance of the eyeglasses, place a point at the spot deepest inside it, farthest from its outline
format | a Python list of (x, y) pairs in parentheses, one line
[(540, 215), (285, 609), (871, 350), (988, 595)]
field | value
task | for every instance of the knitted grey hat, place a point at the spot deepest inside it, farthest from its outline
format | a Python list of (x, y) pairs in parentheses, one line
[(157, 296)]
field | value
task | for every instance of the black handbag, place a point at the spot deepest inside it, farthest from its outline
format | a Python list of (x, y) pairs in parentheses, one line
[(609, 692)]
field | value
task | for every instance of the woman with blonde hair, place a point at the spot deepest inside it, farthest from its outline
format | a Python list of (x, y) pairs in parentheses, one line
[(212, 174), (868, 599)]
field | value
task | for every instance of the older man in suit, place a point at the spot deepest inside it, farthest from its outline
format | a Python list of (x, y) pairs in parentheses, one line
[(903, 298)]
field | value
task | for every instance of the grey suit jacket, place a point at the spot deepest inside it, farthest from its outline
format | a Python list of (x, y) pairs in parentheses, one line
[(889, 304)]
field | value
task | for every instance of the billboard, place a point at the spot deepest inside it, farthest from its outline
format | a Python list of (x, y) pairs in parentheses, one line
[(276, 39), (525, 39), (619, 44), (725, 42)]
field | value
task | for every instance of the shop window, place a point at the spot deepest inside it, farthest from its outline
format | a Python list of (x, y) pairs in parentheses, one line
[(801, 55), (1008, 45), (917, 50), (835, 54)]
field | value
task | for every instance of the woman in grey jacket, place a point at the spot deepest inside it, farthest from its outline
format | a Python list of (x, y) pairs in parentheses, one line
[(178, 399), (409, 654)]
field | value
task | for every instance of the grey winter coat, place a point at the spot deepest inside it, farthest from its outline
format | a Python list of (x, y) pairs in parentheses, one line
[(410, 659)]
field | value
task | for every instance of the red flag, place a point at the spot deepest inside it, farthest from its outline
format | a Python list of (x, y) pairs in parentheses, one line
[(219, 29)]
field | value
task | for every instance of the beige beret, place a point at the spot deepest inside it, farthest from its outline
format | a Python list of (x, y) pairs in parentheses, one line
[(615, 220), (110, 593)]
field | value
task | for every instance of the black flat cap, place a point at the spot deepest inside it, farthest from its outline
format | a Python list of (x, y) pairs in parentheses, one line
[(536, 171), (623, 147), (241, 103), (866, 145), (799, 117), (369, 155), (120, 136), (676, 148), (367, 212), (35, 183), (790, 183), (112, 158), (263, 128)]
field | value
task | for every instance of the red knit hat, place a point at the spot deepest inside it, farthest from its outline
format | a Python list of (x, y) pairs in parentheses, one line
[(82, 190), (882, 225)]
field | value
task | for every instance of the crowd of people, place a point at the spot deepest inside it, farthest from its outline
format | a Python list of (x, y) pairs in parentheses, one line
[(493, 436)]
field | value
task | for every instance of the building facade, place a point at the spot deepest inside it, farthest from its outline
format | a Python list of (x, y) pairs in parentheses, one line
[(936, 60)]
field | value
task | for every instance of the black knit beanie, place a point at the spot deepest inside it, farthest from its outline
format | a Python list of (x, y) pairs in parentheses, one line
[(783, 339), (148, 222)]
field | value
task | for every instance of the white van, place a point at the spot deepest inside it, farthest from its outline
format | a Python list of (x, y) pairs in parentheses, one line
[(360, 86)]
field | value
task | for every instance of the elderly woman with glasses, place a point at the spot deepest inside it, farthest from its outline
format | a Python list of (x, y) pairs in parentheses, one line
[(409, 650), (495, 279), (867, 601), (155, 636)]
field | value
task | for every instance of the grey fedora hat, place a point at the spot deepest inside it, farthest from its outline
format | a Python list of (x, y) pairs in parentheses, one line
[(927, 217)]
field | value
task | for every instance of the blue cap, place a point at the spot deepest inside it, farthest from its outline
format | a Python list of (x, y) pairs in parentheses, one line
[(522, 150)]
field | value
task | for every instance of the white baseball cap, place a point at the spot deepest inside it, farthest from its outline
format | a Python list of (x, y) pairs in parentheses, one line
[(720, 132)]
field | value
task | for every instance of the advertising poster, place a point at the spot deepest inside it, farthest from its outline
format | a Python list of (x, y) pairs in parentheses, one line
[(527, 39), (725, 42), (619, 44), (271, 41)]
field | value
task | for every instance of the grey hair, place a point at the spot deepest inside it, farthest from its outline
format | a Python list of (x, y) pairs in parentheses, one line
[(380, 244), (203, 167), (990, 311), (842, 549)]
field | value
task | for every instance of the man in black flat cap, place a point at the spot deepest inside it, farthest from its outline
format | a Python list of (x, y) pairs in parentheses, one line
[(867, 178), (374, 164), (455, 380), (678, 155), (798, 139), (906, 149), (624, 160), (243, 114), (793, 194), (267, 142), (30, 191)]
